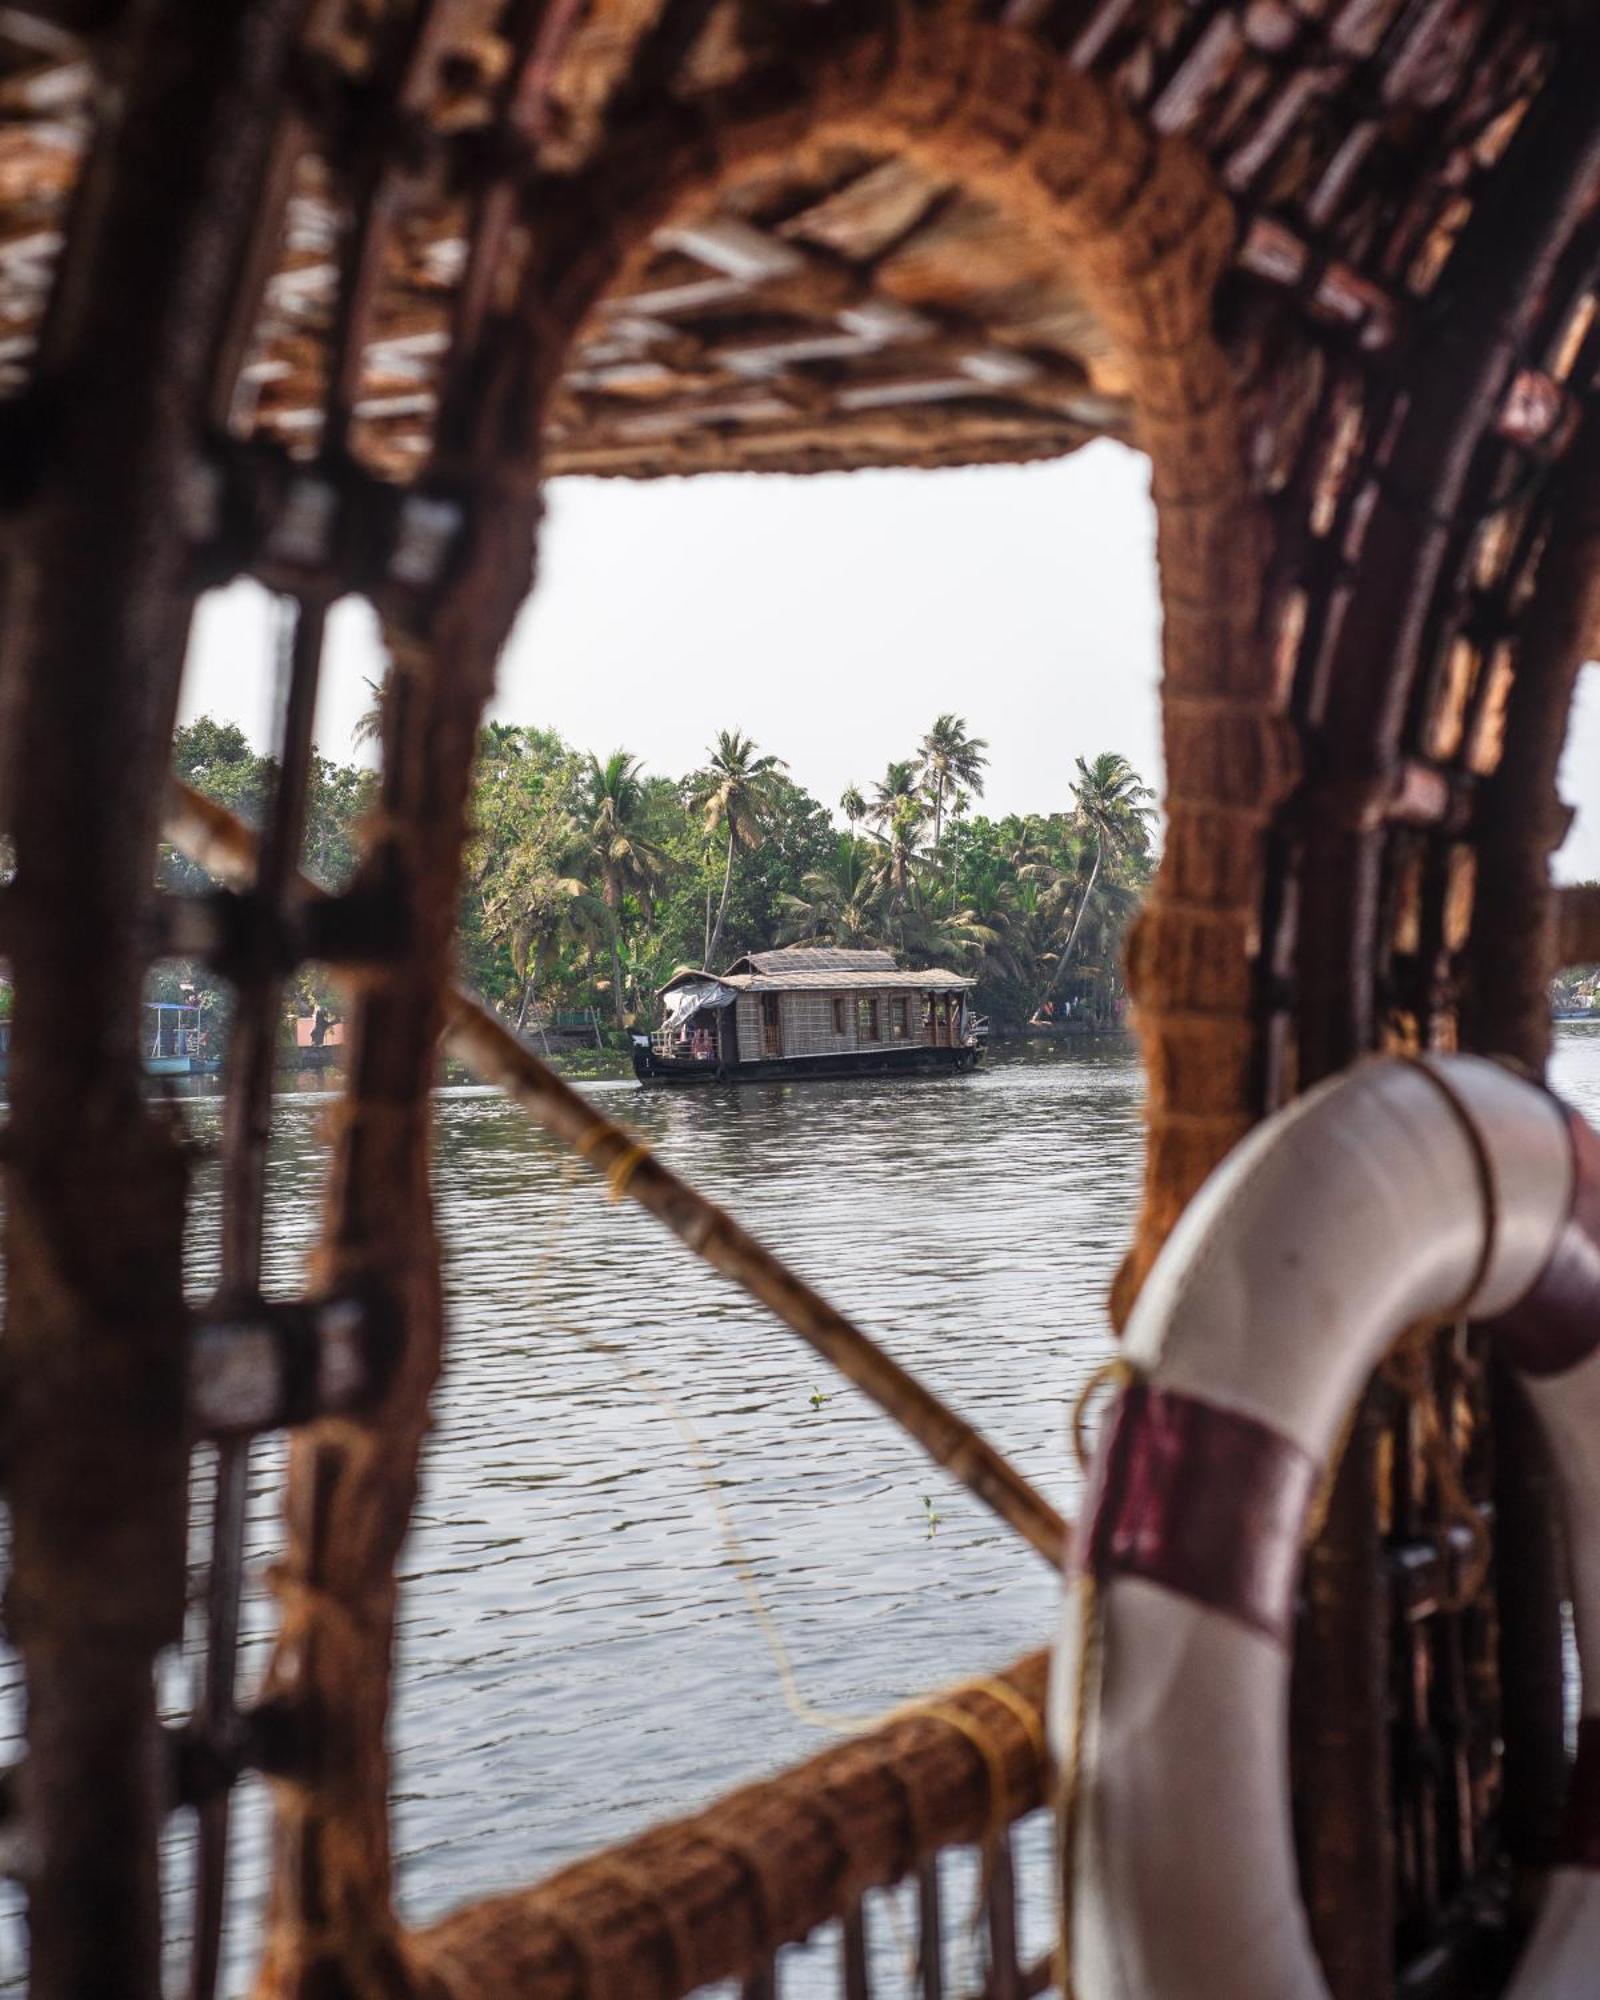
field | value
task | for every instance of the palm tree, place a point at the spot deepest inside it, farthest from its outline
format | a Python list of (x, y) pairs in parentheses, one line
[(989, 917), (499, 744), (369, 724), (835, 901), (899, 781), (1098, 962), (1114, 809), (548, 905), (737, 794), (935, 936), (950, 758), (853, 806), (622, 858), (898, 811)]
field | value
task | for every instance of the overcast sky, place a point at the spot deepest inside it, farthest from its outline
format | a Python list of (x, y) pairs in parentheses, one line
[(831, 618)]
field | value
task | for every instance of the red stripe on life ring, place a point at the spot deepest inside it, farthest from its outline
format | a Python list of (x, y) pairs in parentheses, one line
[(1204, 1502), (1556, 1324), (1580, 1829)]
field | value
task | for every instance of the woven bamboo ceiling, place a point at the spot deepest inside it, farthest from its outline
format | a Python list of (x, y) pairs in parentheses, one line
[(842, 307)]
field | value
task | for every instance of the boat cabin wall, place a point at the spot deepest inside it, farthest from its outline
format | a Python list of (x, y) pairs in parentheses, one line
[(818, 1024)]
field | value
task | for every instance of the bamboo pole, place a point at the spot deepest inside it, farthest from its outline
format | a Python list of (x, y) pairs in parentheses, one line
[(211, 837)]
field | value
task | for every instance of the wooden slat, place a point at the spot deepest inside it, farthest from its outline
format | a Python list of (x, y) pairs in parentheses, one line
[(857, 1985), (762, 1984), (1578, 925), (930, 1930), (1000, 1910)]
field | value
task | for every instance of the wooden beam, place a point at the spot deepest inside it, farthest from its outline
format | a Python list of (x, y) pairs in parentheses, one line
[(1578, 925)]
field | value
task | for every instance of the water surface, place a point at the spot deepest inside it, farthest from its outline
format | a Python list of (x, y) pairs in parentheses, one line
[(577, 1656)]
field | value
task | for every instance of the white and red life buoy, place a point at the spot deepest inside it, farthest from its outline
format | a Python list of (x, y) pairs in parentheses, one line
[(1399, 1192)]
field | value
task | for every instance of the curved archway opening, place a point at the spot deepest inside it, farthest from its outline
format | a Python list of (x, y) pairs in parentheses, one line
[(1141, 224)]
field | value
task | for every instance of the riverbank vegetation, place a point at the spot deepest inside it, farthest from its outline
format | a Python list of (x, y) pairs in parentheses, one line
[(1575, 990), (590, 879)]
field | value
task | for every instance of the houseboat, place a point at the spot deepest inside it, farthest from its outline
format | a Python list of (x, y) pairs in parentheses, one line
[(809, 1011)]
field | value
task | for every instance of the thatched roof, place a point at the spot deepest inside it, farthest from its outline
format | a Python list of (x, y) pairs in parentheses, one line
[(840, 302), (933, 980), (815, 958), (825, 969)]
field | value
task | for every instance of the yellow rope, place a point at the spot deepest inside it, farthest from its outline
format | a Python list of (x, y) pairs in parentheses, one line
[(623, 1168), (1120, 1371), (945, 1710), (1317, 1513), (1070, 1800), (1025, 1712), (620, 1170)]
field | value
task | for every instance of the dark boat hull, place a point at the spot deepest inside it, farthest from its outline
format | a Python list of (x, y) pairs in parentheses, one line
[(918, 1061)]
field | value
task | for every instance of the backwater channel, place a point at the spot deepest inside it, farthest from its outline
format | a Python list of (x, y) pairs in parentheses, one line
[(577, 1655)]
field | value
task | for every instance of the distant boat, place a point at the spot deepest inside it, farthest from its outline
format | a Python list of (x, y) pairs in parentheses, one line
[(810, 1012), (179, 1043)]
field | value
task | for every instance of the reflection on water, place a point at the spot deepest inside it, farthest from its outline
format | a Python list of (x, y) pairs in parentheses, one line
[(576, 1656)]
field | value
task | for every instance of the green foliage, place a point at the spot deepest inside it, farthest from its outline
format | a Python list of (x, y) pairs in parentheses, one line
[(216, 758), (952, 762), (588, 881), (737, 796)]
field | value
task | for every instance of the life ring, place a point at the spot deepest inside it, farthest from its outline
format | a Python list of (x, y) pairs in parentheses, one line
[(1400, 1192)]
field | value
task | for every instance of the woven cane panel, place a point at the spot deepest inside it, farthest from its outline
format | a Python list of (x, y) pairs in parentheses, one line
[(320, 295)]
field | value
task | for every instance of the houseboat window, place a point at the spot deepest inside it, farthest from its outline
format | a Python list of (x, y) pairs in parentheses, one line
[(769, 1010), (866, 1019), (838, 1015), (897, 1020)]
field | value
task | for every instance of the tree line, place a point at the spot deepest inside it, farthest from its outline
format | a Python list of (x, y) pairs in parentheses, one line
[(589, 880)]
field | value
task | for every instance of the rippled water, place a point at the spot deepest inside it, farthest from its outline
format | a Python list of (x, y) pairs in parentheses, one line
[(582, 1637), (577, 1658)]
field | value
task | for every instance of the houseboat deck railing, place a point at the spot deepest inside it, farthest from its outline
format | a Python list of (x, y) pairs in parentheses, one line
[(667, 1043), (717, 1895)]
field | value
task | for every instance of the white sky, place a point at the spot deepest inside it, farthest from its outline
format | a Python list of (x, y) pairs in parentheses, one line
[(831, 618)]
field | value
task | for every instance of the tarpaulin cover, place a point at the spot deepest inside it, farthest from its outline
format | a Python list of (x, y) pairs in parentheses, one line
[(686, 1000)]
